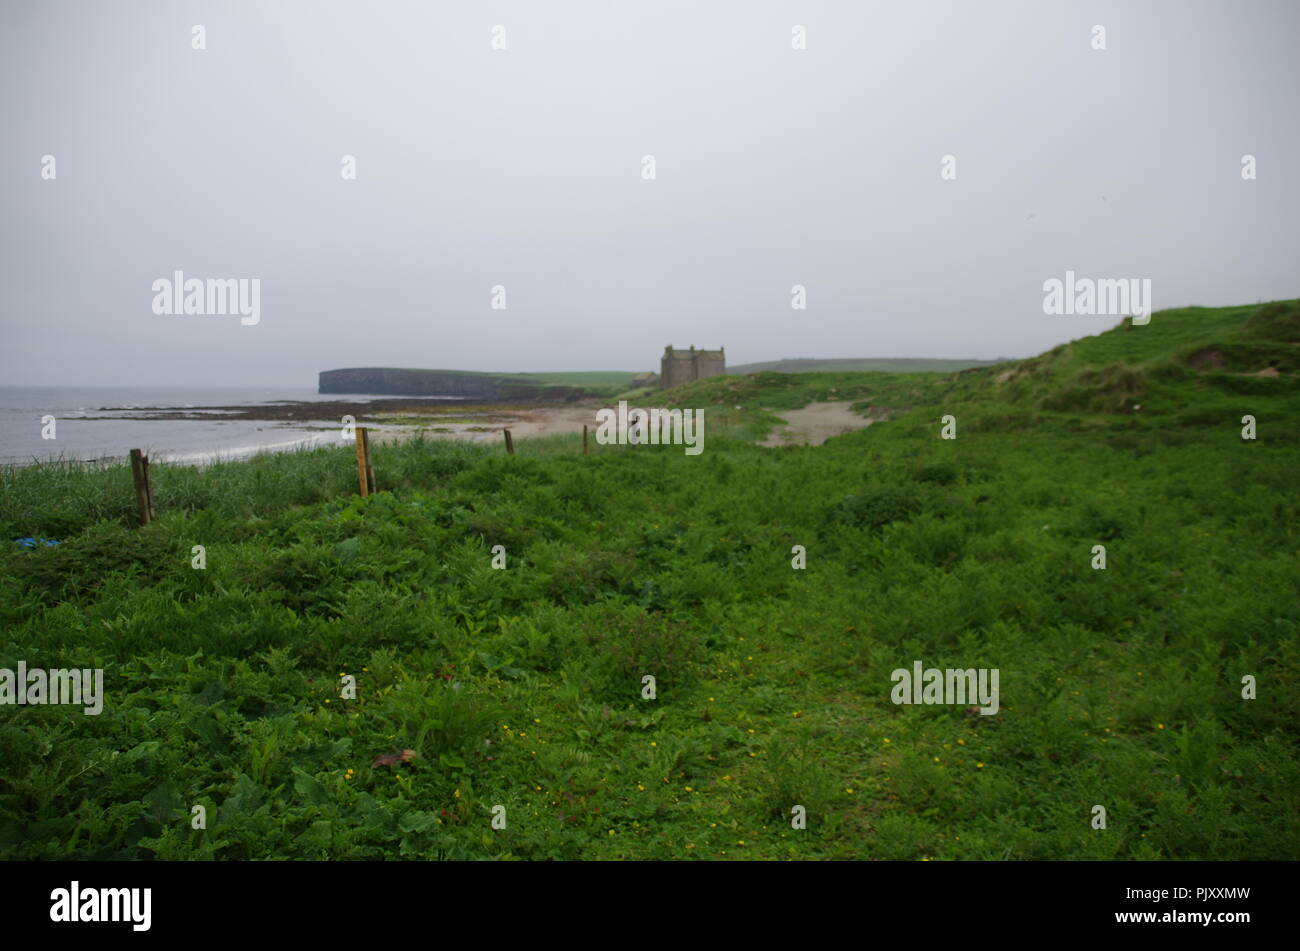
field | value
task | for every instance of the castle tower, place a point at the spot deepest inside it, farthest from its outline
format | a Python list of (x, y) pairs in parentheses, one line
[(686, 366)]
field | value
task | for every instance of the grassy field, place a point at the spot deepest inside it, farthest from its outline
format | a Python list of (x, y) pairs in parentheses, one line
[(522, 687)]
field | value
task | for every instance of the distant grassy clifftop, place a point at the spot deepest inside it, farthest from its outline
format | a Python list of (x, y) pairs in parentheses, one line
[(855, 365), (470, 384)]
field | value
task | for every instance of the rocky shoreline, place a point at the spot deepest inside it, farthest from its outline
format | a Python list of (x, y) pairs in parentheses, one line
[(367, 411)]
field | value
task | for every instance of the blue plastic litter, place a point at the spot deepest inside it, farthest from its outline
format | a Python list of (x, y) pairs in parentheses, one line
[(34, 542)]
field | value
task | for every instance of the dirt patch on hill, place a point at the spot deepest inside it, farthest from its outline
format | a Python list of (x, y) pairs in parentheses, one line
[(1208, 359), (816, 423), (1212, 359)]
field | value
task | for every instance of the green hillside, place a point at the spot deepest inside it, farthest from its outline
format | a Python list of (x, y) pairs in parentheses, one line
[(1194, 363), (1163, 687)]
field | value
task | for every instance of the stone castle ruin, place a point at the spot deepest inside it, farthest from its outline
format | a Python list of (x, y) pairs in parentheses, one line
[(686, 366)]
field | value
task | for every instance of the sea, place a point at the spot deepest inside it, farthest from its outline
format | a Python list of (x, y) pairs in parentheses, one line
[(83, 432)]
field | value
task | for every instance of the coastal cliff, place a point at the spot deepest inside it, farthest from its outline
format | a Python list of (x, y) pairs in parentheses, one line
[(476, 386)]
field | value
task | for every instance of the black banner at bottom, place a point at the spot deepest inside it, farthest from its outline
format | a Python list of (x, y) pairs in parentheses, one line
[(1220, 901)]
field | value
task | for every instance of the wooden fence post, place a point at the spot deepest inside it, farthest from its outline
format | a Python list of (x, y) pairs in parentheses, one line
[(370, 469), (584, 439), (363, 459), (143, 494), (510, 443), (148, 488)]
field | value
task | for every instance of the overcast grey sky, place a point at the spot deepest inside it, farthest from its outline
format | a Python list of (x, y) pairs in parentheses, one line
[(523, 168)]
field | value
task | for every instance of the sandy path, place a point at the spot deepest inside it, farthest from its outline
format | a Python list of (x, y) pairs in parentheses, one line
[(550, 421), (815, 423)]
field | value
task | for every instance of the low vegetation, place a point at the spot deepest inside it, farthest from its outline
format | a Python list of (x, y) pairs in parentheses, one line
[(478, 687)]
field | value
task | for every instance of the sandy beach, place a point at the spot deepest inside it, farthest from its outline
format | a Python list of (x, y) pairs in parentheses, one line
[(476, 424)]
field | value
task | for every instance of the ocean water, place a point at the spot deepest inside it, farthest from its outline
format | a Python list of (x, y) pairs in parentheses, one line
[(82, 432)]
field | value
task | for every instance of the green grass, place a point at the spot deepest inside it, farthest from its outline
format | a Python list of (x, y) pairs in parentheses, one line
[(522, 687)]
